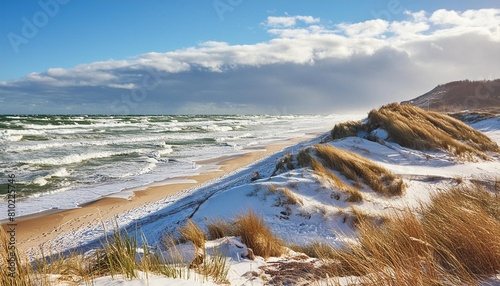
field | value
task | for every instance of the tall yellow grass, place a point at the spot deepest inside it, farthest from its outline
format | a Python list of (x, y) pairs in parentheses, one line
[(453, 241), (354, 195), (256, 235), (465, 226), (357, 168), (14, 267), (415, 128), (346, 129), (287, 197), (253, 232), (219, 228), (192, 232)]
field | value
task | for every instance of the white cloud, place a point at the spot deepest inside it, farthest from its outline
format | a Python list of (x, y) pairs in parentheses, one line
[(420, 16), (471, 18), (308, 68), (485, 21), (289, 21), (371, 28), (406, 30), (123, 85)]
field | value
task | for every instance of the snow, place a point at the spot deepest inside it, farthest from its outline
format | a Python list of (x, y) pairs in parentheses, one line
[(300, 224), (380, 133), (318, 216), (149, 280)]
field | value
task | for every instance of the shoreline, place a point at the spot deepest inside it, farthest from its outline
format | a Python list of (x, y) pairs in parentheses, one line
[(36, 230)]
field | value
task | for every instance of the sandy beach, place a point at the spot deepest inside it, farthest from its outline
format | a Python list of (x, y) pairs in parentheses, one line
[(36, 230)]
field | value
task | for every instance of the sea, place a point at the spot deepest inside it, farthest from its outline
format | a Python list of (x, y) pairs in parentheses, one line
[(62, 162)]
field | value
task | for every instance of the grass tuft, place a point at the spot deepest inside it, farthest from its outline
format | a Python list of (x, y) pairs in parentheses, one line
[(287, 197), (253, 232), (219, 228), (304, 158), (346, 129), (191, 232), (353, 194), (216, 267), (415, 128), (356, 168), (118, 254), (14, 269), (321, 250), (285, 164), (257, 236)]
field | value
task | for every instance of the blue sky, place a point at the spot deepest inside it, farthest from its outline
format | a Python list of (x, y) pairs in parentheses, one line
[(223, 56)]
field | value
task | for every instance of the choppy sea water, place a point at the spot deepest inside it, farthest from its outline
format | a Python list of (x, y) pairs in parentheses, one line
[(64, 161)]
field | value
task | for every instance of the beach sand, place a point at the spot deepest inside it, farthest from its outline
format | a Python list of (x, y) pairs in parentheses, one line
[(35, 230)]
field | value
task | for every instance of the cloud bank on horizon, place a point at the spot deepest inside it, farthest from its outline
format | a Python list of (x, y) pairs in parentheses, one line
[(309, 65)]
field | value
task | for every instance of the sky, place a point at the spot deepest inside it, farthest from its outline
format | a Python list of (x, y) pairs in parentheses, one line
[(237, 56)]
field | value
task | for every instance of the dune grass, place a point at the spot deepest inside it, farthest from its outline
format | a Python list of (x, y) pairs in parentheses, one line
[(354, 167), (316, 249), (72, 268), (252, 230), (304, 158), (465, 224), (346, 129), (219, 228), (119, 254), (353, 194), (257, 235), (452, 241), (285, 164), (285, 196), (359, 169), (415, 128), (14, 270), (215, 267), (191, 232)]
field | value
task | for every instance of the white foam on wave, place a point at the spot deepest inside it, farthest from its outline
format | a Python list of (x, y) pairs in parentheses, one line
[(215, 127), (57, 144), (8, 135), (61, 172), (40, 181), (49, 193), (75, 158), (158, 154), (36, 145), (235, 137), (43, 180), (104, 124)]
